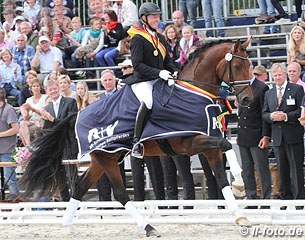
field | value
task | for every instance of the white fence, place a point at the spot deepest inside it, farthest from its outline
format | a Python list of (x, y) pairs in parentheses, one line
[(204, 211)]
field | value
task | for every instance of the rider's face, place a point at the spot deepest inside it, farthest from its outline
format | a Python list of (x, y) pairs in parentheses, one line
[(153, 20)]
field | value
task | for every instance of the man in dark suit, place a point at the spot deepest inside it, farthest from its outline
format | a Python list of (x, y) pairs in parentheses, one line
[(253, 136), (59, 108), (282, 109)]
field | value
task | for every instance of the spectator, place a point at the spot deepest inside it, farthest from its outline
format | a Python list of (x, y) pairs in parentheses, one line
[(78, 33), (260, 73), (126, 70), (47, 59), (113, 33), (296, 46), (95, 9), (10, 74), (253, 136), (189, 39), (23, 54), (294, 73), (283, 17), (18, 20), (25, 92), (63, 23), (108, 81), (154, 168), (215, 6), (127, 13), (64, 83), (170, 165), (31, 124), (9, 16), (8, 140), (83, 97), (126, 67), (282, 110), (3, 44), (214, 191), (8, 4), (267, 12), (189, 8), (67, 5), (32, 37), (19, 11), (178, 20), (59, 108), (32, 13), (92, 43), (173, 38)]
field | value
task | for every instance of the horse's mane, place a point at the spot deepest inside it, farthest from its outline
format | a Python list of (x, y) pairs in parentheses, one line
[(201, 47)]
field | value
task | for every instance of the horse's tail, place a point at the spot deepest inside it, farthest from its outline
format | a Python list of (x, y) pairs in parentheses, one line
[(45, 173)]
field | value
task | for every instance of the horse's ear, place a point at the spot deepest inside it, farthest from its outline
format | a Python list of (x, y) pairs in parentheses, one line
[(246, 43), (237, 45)]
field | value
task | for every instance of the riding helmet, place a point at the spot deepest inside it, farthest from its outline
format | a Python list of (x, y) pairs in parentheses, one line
[(149, 8)]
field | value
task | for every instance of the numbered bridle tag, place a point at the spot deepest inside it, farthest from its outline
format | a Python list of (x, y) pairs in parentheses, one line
[(228, 57)]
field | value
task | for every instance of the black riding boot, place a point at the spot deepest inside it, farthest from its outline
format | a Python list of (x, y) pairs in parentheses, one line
[(140, 120)]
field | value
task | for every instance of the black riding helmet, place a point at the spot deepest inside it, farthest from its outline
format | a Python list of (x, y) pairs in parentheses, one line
[(149, 8)]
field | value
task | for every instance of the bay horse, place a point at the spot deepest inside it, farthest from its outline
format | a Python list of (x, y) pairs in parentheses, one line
[(206, 68)]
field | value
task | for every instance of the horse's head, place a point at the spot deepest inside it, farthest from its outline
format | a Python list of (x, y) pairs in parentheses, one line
[(234, 69), (216, 62)]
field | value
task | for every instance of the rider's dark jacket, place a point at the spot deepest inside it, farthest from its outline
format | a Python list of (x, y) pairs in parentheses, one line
[(147, 59)]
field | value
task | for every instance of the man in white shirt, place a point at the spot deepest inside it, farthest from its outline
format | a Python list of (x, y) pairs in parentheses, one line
[(127, 12), (47, 59)]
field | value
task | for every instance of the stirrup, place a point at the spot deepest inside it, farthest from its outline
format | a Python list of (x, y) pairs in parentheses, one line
[(137, 150)]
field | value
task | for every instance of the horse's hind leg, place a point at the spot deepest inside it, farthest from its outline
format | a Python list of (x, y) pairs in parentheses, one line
[(119, 191), (92, 174), (214, 158)]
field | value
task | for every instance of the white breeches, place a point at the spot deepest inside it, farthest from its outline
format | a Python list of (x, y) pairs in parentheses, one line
[(143, 92)]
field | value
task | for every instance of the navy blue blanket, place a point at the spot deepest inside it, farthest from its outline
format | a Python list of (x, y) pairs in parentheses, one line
[(108, 124)]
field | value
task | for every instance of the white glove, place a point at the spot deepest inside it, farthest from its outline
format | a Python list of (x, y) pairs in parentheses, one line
[(165, 75), (170, 82)]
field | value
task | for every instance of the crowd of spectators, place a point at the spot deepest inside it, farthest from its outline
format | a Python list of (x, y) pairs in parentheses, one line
[(37, 43)]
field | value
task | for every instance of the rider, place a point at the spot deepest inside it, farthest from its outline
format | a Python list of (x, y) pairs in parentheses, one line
[(150, 59)]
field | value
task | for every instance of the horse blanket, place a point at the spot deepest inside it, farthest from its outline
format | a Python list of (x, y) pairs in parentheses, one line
[(108, 124)]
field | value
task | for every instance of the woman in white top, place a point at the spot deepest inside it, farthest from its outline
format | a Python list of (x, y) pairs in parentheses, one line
[(30, 111)]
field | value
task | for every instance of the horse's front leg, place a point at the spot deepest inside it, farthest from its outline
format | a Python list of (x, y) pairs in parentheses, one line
[(215, 160), (92, 174)]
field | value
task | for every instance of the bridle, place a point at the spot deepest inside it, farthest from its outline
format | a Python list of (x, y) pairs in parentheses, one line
[(231, 84)]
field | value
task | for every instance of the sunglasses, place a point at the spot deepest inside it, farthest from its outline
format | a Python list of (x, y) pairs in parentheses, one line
[(126, 67)]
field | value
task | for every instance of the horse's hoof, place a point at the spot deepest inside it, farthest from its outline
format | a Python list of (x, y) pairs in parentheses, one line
[(238, 190), (243, 221), (151, 232)]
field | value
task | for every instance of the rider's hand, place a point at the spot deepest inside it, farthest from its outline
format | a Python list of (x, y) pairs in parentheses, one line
[(165, 75), (175, 74)]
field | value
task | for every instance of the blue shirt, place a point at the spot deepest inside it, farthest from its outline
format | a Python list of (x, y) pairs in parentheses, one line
[(23, 58), (7, 74)]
